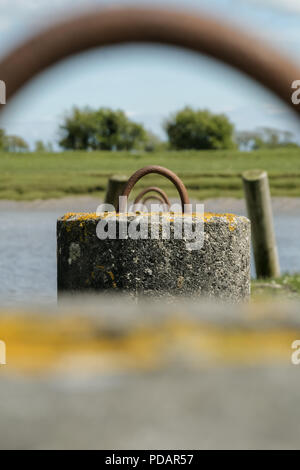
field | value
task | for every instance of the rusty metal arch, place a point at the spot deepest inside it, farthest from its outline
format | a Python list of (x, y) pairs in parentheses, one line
[(110, 26), (164, 198), (154, 198), (160, 170)]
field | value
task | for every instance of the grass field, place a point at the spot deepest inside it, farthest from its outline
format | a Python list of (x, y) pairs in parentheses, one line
[(285, 287), (205, 173)]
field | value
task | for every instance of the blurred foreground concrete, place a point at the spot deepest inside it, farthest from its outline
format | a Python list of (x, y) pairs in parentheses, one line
[(241, 407), (115, 375)]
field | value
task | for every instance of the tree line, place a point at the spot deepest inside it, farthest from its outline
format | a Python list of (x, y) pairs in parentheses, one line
[(106, 129), (15, 143)]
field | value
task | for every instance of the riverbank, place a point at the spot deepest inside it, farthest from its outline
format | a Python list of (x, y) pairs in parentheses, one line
[(206, 174), (88, 203)]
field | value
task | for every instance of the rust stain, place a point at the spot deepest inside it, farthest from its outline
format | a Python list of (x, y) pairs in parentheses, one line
[(110, 274)]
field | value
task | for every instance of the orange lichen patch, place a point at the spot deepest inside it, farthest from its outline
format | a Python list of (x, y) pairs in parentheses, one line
[(80, 216), (207, 217), (110, 274), (231, 218)]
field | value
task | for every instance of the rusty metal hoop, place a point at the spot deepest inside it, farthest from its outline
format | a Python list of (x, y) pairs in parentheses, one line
[(109, 26), (155, 198), (160, 170), (154, 189)]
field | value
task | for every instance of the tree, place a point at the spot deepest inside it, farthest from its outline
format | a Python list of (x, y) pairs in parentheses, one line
[(14, 143), (2, 139), (199, 129), (265, 137), (246, 140), (102, 129), (40, 146), (154, 143), (77, 129)]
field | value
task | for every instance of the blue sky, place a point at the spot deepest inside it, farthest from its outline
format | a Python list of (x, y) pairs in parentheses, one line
[(148, 82)]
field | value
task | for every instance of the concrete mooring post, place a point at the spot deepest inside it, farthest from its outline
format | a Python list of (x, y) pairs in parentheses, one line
[(258, 199), (155, 267), (160, 265)]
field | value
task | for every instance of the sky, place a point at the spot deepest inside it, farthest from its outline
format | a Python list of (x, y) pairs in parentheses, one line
[(148, 82)]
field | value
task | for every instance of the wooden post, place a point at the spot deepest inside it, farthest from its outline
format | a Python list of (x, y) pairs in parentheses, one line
[(115, 187), (258, 199)]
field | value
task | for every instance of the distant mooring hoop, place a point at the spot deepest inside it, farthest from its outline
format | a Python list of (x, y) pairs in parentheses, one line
[(153, 189), (185, 201), (109, 26)]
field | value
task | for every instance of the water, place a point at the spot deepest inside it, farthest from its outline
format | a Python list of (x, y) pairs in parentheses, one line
[(28, 253), (28, 257), (287, 229)]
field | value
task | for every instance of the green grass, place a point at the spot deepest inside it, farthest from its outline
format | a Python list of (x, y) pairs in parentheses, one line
[(285, 287), (205, 173)]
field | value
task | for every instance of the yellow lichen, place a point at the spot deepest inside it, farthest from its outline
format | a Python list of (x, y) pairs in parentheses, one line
[(110, 274), (206, 217)]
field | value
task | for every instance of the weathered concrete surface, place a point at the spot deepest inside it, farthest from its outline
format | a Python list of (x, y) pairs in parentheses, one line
[(220, 269)]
